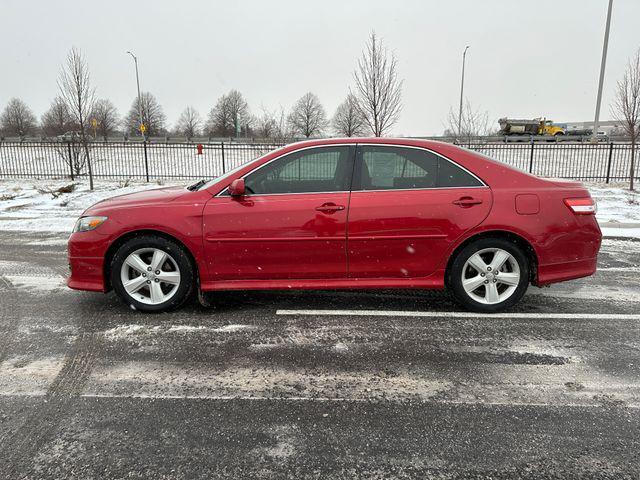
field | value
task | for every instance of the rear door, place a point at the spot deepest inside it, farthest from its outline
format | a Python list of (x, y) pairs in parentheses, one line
[(408, 205)]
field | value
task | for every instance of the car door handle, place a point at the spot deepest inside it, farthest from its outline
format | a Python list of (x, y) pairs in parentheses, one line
[(466, 202), (329, 208)]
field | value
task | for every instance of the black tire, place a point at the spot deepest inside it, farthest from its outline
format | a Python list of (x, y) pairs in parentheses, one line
[(454, 280), (178, 254)]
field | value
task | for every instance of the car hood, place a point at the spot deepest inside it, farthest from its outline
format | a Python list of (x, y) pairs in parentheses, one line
[(146, 197)]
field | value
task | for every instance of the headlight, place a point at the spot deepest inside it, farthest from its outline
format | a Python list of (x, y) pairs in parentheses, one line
[(84, 224)]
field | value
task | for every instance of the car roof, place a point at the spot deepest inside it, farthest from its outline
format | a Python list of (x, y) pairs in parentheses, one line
[(382, 140)]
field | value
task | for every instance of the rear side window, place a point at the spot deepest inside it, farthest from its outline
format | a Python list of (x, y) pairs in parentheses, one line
[(451, 175), (323, 169), (400, 168)]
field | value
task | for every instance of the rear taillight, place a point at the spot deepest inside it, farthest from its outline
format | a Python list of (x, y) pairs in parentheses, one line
[(581, 206)]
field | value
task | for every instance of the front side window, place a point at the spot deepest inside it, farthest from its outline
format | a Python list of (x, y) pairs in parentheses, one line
[(401, 168), (322, 169)]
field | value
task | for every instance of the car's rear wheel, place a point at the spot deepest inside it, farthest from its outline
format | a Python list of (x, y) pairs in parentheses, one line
[(489, 275), (152, 274)]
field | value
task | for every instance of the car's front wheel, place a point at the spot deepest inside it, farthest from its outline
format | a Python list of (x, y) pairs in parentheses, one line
[(152, 274), (489, 275)]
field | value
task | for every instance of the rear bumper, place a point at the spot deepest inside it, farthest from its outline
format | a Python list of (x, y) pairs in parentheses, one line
[(559, 272)]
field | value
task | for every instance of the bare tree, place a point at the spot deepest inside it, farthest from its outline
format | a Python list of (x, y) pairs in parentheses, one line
[(283, 128), (106, 118), (189, 123), (473, 123), (153, 116), (377, 87), (348, 120), (307, 117), (72, 152), (626, 108), (17, 119), (75, 88), (266, 125), (230, 115), (57, 120)]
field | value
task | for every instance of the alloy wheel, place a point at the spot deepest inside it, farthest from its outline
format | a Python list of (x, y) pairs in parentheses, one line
[(490, 276), (150, 276)]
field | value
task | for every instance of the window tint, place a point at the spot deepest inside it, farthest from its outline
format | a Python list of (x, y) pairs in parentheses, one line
[(325, 169), (451, 175), (388, 168)]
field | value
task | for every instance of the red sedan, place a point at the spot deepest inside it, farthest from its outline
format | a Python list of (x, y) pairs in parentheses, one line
[(338, 214)]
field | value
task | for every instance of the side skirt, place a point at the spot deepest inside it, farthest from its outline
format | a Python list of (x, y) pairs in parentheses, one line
[(433, 281)]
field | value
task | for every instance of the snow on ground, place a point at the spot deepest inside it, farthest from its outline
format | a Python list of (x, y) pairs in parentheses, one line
[(616, 203), (618, 209), (621, 231), (27, 205), (126, 331)]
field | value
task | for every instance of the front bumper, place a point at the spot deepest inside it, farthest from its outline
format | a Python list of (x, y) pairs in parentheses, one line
[(86, 274), (86, 252)]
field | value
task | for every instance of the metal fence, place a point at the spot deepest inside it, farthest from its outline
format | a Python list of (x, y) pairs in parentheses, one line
[(125, 160), (151, 161), (599, 162)]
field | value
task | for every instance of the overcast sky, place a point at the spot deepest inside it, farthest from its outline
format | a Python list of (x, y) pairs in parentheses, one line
[(526, 58)]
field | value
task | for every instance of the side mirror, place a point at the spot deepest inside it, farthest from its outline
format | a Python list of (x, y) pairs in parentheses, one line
[(237, 189)]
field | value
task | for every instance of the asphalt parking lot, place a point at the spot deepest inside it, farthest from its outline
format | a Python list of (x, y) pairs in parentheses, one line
[(315, 385)]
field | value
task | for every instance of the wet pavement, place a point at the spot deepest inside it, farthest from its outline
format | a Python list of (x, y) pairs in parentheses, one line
[(312, 385)]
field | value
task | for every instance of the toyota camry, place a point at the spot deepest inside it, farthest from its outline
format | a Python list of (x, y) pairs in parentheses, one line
[(342, 214)]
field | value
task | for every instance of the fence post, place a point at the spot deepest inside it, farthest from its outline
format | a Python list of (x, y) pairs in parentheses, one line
[(609, 162), (70, 161), (531, 157), (222, 150), (146, 160)]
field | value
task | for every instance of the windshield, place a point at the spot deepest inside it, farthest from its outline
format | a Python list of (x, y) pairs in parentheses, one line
[(231, 172), (210, 182)]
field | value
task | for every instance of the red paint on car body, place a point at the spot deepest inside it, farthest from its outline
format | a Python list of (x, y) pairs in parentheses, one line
[(397, 238)]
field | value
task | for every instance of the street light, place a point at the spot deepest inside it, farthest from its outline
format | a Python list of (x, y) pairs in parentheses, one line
[(605, 46), (135, 60), (464, 56)]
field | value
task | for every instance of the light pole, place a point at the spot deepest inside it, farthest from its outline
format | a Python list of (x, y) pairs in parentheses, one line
[(605, 46), (135, 60), (464, 56)]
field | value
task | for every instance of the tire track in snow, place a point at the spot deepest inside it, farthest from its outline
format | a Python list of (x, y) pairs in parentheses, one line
[(10, 315), (17, 450), (17, 277), (7, 311), (18, 447), (77, 367)]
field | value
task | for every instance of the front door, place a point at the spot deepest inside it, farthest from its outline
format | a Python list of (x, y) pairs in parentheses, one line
[(407, 207), (290, 224)]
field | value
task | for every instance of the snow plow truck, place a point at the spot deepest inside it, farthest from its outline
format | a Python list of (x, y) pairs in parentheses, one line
[(536, 126)]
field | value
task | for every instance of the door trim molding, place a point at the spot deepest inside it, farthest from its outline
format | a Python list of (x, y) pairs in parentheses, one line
[(397, 237), (275, 239)]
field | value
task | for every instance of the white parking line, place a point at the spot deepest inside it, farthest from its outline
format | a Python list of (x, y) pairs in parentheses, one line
[(400, 313), (227, 398), (618, 269)]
